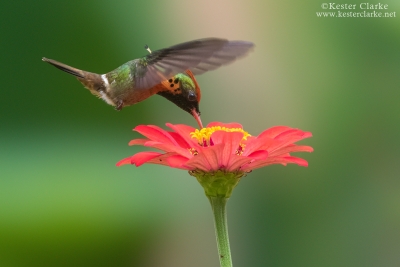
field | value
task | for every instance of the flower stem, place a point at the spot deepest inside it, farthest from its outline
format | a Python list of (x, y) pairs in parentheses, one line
[(218, 205)]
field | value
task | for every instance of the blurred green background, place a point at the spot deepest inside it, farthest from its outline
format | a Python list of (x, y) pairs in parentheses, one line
[(64, 203)]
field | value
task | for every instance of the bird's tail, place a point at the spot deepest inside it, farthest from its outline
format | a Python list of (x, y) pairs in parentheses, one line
[(91, 81)]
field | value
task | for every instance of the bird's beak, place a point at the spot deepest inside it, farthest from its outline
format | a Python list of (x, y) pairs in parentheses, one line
[(197, 118)]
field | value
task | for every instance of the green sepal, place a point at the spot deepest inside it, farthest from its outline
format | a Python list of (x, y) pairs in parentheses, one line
[(219, 183)]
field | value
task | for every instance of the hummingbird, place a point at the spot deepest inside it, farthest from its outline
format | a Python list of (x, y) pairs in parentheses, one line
[(169, 72)]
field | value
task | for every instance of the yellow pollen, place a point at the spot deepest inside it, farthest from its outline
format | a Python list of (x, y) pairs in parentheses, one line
[(203, 135), (193, 151), (240, 150)]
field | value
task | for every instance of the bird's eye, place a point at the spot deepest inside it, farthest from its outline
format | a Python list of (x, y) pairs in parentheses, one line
[(192, 96)]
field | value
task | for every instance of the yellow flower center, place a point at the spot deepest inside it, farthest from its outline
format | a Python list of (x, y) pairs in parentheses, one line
[(203, 135)]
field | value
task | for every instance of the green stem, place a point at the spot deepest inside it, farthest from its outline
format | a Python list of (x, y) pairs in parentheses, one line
[(218, 205)]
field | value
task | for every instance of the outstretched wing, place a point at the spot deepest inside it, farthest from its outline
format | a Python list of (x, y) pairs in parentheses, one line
[(198, 56), (231, 51)]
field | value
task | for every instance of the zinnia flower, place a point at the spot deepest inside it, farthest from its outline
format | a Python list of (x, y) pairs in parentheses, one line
[(218, 147), (218, 156)]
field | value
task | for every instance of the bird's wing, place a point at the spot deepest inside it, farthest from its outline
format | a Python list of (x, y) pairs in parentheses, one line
[(230, 51), (198, 56)]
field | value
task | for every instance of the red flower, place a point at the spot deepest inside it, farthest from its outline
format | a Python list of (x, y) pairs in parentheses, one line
[(219, 146)]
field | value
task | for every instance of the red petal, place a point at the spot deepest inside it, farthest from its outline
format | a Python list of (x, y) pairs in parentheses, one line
[(290, 149), (124, 161), (259, 143), (236, 162), (176, 161), (184, 131), (290, 139), (259, 155), (276, 160), (156, 134), (273, 131), (163, 160), (230, 142), (179, 140), (298, 161), (227, 125), (293, 132), (198, 162), (207, 159), (169, 148), (138, 142), (212, 155), (143, 157), (285, 134)]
